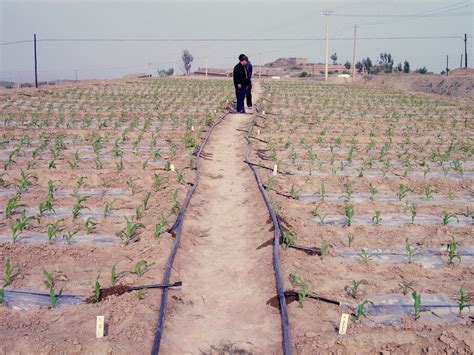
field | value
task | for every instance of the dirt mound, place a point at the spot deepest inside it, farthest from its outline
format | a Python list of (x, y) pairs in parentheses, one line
[(460, 84)]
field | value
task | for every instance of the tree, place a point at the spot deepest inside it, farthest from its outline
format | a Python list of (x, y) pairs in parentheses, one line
[(334, 58), (386, 62), (359, 66), (303, 74), (165, 72), (347, 65), (406, 67), (367, 63), (422, 70), (187, 59)]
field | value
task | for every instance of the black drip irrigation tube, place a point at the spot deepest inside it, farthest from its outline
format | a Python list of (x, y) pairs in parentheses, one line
[(176, 231), (285, 327)]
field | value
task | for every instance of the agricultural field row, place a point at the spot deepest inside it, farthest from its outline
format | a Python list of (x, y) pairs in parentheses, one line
[(380, 184), (92, 176)]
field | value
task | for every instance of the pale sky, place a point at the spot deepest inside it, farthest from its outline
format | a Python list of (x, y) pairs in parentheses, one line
[(224, 19)]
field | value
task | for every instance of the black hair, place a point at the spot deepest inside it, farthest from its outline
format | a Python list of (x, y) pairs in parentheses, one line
[(242, 57)]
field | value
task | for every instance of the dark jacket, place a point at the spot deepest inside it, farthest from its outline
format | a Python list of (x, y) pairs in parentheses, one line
[(240, 75), (249, 68)]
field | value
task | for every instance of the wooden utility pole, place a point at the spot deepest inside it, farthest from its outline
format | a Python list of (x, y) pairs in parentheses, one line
[(465, 50), (354, 53), (447, 65), (36, 63), (461, 62), (327, 13)]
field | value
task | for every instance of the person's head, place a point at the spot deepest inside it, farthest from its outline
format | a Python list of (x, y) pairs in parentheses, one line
[(243, 59)]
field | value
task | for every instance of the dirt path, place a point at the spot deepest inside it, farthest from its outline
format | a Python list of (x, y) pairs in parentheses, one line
[(226, 280)]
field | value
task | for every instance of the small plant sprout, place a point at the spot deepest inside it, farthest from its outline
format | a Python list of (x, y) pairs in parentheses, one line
[(9, 273), (303, 290), (139, 294), (354, 290), (324, 248), (108, 207), (115, 276), (78, 206), (377, 218), (132, 185), (21, 224), (402, 191), (349, 213), (138, 213), (413, 213), (350, 240), (179, 176), (373, 191), (289, 238), (317, 214), (146, 199), (322, 192), (160, 226), (141, 267), (463, 300), (410, 250), (69, 236), (429, 190), (417, 306), (12, 205), (361, 312), (348, 189), (295, 192), (2, 296), (53, 230), (405, 285), (156, 182), (129, 233), (364, 255), (97, 287), (90, 225), (50, 284), (452, 251), (447, 216)]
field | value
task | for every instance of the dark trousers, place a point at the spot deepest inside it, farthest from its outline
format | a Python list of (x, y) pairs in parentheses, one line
[(240, 94), (248, 95)]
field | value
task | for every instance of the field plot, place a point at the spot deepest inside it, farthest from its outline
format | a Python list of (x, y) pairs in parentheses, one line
[(91, 177), (380, 184)]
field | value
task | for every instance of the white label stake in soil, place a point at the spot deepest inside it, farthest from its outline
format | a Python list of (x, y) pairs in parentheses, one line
[(99, 330), (172, 167), (343, 324), (275, 170)]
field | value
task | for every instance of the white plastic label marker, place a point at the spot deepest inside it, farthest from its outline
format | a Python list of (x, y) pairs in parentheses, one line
[(258, 132), (99, 330), (344, 323), (192, 128), (172, 167), (263, 112), (275, 170)]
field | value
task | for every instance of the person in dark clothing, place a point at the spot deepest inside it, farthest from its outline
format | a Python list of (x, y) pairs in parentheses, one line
[(248, 95), (241, 81)]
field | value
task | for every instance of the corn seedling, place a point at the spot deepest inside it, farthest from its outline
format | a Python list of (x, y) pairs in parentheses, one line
[(25, 180), (402, 191), (2, 296), (115, 276), (289, 238), (377, 218), (53, 229), (303, 290), (90, 225), (12, 205), (108, 207), (175, 206), (348, 190), (179, 176), (156, 182), (349, 212), (417, 307), (429, 190), (138, 213), (361, 312), (96, 296), (50, 284), (146, 199), (21, 224), (322, 192), (447, 216), (139, 294), (364, 255), (410, 250), (316, 213), (9, 273), (350, 240), (295, 192), (131, 184), (373, 191), (463, 300), (354, 290), (413, 213), (68, 237), (141, 267), (452, 251), (324, 248), (404, 286), (128, 234), (78, 206)]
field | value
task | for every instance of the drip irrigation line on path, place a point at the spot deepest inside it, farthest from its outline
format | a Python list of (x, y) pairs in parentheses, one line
[(176, 231), (286, 339)]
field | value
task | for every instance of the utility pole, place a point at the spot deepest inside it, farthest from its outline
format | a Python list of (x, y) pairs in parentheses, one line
[(354, 53), (465, 50), (36, 64), (447, 65), (461, 62), (18, 80), (327, 13)]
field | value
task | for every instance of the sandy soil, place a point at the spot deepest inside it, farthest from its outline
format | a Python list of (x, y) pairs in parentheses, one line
[(227, 280)]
